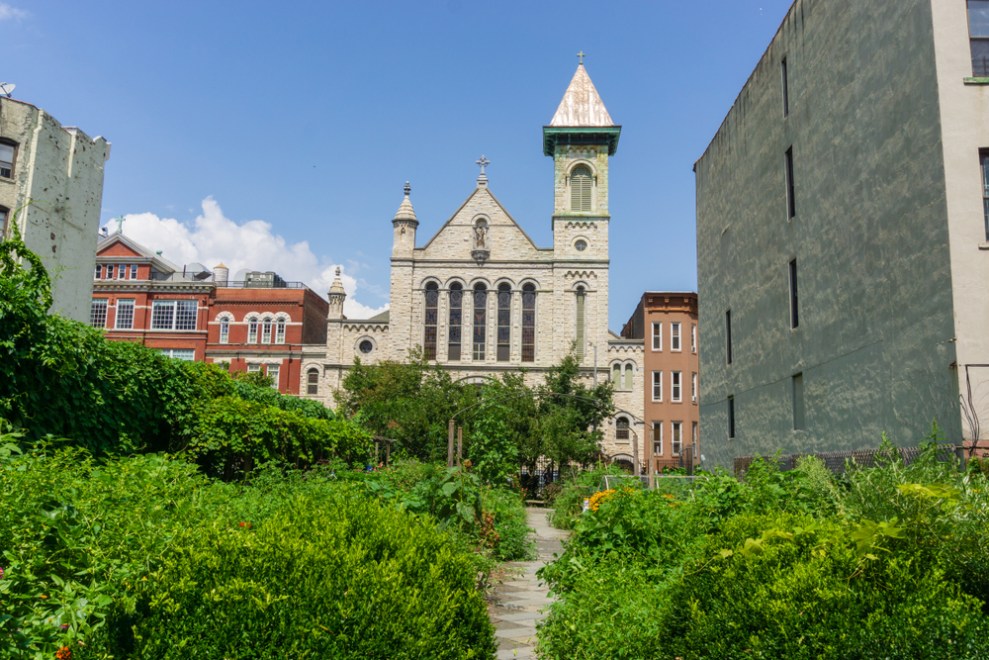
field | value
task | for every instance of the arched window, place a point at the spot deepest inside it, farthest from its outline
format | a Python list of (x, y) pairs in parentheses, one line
[(480, 319), (312, 381), (266, 330), (581, 295), (224, 330), (280, 331), (429, 339), (616, 375), (252, 329), (629, 370), (529, 323), (580, 188), (456, 320), (504, 321), (621, 428)]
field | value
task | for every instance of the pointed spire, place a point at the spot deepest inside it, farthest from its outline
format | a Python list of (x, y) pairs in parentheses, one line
[(581, 104), (336, 288), (405, 211)]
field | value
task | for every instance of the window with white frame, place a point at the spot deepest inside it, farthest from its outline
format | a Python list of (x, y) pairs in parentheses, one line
[(97, 313), (266, 330), (99, 269), (274, 371), (675, 386), (693, 386), (173, 315), (312, 381), (674, 336), (280, 331), (125, 315), (253, 368), (978, 34), (133, 271), (224, 330), (187, 354), (657, 438), (621, 429), (676, 441), (109, 271), (252, 330), (657, 386), (693, 337), (657, 336)]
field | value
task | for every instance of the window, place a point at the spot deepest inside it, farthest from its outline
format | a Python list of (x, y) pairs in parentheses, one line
[(122, 272), (621, 429), (629, 374), (580, 244), (978, 34), (674, 336), (657, 386), (794, 315), (224, 330), (312, 381), (480, 320), (456, 321), (173, 315), (186, 354), (616, 375), (731, 417), (529, 323), (676, 441), (280, 331), (728, 350), (785, 84), (7, 152), (109, 271), (253, 368), (581, 295), (791, 204), (266, 330), (580, 188), (657, 336), (504, 321), (366, 346), (4, 211), (430, 320), (693, 387), (274, 371), (693, 436), (657, 438), (252, 330), (99, 268), (97, 313), (797, 391), (984, 162), (675, 386), (125, 315), (693, 337), (133, 271)]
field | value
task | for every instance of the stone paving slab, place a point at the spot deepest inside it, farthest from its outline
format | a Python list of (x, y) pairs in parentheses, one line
[(519, 600)]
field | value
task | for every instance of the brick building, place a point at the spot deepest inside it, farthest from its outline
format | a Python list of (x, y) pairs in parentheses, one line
[(666, 324), (258, 324)]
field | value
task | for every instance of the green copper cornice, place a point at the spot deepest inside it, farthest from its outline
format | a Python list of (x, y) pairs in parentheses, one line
[(554, 135)]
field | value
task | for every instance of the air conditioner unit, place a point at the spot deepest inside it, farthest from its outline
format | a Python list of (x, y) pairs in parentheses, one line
[(694, 399)]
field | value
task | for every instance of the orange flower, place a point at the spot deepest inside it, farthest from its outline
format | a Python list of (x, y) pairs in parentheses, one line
[(599, 497), (64, 653)]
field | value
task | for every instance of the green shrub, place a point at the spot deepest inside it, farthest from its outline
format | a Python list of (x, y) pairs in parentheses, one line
[(568, 497)]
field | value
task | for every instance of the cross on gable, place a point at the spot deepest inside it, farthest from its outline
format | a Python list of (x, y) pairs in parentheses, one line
[(483, 162)]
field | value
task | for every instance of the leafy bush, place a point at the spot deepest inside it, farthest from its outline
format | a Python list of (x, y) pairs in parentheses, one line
[(143, 557), (568, 499)]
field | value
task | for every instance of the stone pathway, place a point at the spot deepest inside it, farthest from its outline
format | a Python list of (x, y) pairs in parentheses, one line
[(519, 599)]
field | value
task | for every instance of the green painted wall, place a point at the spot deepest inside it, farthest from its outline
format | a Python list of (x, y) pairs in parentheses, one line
[(869, 236)]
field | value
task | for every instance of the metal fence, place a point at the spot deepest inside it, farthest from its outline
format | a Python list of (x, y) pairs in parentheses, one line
[(837, 461)]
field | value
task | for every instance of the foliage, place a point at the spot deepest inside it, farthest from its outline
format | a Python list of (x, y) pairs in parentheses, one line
[(143, 557), (889, 563), (568, 502)]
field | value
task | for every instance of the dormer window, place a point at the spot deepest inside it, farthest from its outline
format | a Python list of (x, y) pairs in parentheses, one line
[(580, 188)]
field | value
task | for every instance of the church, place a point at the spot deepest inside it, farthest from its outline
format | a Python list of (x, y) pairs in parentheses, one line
[(480, 298)]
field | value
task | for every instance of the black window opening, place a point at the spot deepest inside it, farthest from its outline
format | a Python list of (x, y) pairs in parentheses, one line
[(480, 319), (456, 321), (529, 323), (504, 322), (731, 417), (978, 33), (794, 308), (797, 393), (785, 84), (432, 310), (984, 164), (728, 347), (791, 202)]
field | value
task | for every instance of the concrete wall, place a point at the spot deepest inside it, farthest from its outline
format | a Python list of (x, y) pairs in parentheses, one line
[(60, 171), (870, 237)]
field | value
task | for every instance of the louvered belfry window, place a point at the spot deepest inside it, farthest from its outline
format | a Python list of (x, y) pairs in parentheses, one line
[(580, 188)]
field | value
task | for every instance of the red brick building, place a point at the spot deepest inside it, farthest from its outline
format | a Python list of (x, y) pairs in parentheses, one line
[(666, 321), (258, 324)]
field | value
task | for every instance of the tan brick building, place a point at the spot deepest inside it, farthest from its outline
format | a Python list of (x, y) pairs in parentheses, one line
[(480, 298)]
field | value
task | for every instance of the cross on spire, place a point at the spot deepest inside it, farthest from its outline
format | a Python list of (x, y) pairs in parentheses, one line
[(580, 57), (483, 162)]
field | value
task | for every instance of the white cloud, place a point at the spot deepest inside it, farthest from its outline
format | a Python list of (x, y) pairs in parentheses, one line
[(213, 238), (11, 13)]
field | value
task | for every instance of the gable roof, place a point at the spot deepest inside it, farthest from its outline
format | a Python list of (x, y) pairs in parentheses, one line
[(470, 198), (138, 251)]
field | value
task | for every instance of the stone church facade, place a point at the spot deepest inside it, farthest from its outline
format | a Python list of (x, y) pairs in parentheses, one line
[(480, 298)]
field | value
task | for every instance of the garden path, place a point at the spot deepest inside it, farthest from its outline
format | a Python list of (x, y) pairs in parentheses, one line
[(519, 599)]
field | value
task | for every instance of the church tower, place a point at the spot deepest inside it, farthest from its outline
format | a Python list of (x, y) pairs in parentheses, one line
[(581, 138), (404, 226)]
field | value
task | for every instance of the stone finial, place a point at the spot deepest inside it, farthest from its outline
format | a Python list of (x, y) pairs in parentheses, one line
[(336, 288), (482, 178), (405, 211)]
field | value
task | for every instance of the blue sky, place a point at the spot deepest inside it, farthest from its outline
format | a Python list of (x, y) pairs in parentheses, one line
[(278, 136)]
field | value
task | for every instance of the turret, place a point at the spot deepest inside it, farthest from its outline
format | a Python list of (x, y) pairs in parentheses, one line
[(405, 224), (336, 297)]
